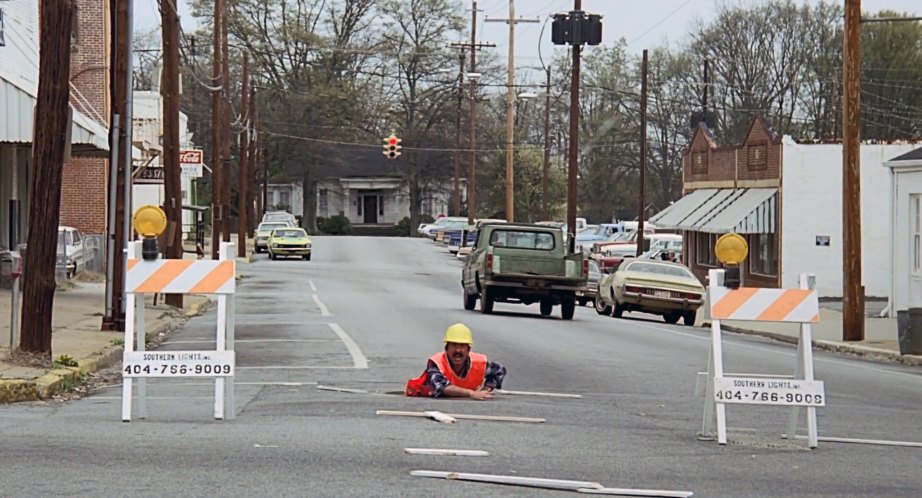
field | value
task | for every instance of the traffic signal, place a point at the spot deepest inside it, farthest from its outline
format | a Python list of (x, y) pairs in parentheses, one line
[(576, 28), (392, 147)]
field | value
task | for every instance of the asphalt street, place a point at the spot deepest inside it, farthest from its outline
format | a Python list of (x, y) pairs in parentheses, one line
[(365, 313)]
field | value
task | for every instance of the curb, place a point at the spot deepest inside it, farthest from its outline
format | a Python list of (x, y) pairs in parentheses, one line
[(53, 382), (836, 347)]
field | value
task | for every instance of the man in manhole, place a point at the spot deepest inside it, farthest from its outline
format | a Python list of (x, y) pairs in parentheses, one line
[(457, 372)]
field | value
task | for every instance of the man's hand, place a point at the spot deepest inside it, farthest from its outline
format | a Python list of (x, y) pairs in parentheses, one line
[(481, 395)]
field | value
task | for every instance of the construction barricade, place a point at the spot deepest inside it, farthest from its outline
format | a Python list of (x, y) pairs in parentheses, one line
[(765, 305)]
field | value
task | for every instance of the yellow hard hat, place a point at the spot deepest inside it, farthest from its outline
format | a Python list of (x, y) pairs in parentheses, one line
[(459, 334)]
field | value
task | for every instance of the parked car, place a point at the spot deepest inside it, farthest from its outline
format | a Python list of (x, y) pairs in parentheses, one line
[(587, 293), (72, 251), (289, 242), (426, 229), (522, 263), (264, 230), (600, 232), (612, 254), (651, 286), (283, 216), (438, 233)]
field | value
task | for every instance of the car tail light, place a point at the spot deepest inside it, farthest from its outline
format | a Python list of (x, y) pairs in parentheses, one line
[(635, 290), (489, 262), (689, 296), (585, 266)]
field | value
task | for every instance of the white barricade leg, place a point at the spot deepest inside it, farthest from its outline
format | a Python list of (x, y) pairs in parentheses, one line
[(720, 408), (794, 414), (221, 338), (141, 346), (129, 346), (807, 360), (230, 408)]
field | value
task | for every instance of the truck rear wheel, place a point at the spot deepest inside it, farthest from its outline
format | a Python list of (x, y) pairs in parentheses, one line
[(567, 308), (470, 301), (486, 301), (546, 307)]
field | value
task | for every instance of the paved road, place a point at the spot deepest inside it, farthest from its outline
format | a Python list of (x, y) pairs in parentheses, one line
[(386, 302)]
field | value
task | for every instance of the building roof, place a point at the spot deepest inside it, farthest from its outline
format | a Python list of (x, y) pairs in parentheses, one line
[(913, 155), (357, 161)]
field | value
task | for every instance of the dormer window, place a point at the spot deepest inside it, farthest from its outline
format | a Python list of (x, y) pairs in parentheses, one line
[(699, 163), (758, 157)]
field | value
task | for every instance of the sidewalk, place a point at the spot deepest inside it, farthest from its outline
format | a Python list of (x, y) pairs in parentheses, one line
[(880, 336), (78, 312)]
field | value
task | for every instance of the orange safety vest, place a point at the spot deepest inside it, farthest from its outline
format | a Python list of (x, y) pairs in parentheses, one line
[(473, 380)]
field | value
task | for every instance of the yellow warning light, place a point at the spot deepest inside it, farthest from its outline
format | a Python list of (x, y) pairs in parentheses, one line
[(731, 249), (149, 221)]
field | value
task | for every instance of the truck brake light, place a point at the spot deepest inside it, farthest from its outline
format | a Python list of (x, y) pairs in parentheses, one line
[(585, 267), (489, 262)]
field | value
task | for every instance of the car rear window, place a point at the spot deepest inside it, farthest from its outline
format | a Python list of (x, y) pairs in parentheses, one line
[(672, 271), (271, 226), (521, 239)]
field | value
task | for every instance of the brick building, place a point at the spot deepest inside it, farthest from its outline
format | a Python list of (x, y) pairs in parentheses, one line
[(84, 186), (785, 198)]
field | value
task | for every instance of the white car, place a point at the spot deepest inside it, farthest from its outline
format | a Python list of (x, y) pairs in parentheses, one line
[(426, 229), (265, 230), (283, 216), (72, 252)]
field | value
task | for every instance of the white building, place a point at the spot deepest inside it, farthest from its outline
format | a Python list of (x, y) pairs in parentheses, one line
[(905, 248), (811, 215), (288, 196), (147, 134)]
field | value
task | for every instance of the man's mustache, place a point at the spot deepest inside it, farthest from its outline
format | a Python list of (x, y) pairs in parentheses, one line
[(457, 355)]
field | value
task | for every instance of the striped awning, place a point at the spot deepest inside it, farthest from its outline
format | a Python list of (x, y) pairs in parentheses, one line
[(752, 210)]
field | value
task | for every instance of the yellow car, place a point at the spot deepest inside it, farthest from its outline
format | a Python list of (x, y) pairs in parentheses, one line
[(289, 242)]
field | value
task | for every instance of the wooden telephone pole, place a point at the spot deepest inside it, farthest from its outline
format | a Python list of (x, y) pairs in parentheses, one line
[(641, 199), (243, 175), (225, 132), (853, 291), (217, 161), (48, 156), (510, 110), (573, 155), (172, 171), (546, 206), (456, 198)]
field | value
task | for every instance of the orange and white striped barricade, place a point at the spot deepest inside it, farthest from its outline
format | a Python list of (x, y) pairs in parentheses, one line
[(765, 305), (179, 276)]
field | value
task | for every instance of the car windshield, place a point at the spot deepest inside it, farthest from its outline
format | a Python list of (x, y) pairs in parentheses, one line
[(277, 216), (667, 245), (289, 233), (455, 224), (661, 269), (522, 239), (621, 237), (268, 227)]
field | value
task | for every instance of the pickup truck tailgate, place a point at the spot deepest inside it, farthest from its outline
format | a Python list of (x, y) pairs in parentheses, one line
[(508, 262)]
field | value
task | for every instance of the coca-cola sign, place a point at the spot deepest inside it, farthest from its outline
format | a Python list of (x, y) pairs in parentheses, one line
[(191, 156)]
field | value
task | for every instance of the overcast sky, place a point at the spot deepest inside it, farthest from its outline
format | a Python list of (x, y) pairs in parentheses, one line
[(643, 23)]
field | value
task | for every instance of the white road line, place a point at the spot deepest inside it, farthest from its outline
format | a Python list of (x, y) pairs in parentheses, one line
[(211, 384), (211, 341), (358, 359), (281, 324), (323, 309), (792, 352), (313, 287)]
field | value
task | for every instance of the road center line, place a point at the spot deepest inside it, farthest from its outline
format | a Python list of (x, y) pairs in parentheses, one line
[(313, 287), (323, 309), (358, 359)]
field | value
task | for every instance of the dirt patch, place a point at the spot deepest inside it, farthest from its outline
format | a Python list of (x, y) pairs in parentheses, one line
[(34, 360), (90, 277)]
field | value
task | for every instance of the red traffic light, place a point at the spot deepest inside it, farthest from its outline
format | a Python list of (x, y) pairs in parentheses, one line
[(392, 140)]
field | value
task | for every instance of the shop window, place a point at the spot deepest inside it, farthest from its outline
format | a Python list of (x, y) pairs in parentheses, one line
[(704, 249), (763, 258), (758, 157), (699, 163), (915, 213)]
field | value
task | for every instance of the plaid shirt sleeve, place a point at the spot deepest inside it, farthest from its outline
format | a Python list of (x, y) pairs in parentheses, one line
[(494, 375)]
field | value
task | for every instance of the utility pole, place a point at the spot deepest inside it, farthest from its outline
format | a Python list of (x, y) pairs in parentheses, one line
[(172, 171), (574, 133), (114, 317), (48, 156), (217, 162), (474, 46), (510, 110), (253, 167), (853, 291), (243, 175), (547, 146), (704, 95), (456, 199), (225, 131), (641, 204)]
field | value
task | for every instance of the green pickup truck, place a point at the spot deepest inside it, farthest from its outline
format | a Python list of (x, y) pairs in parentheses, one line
[(523, 263)]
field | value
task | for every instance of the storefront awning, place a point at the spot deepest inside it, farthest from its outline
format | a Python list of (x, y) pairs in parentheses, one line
[(751, 210), (88, 138)]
